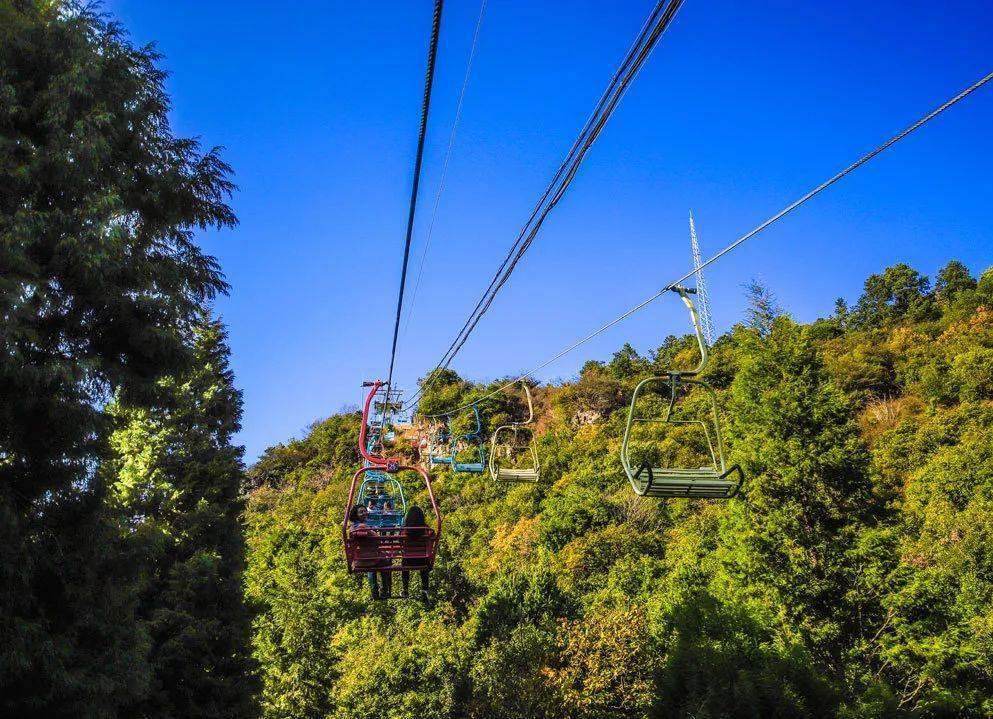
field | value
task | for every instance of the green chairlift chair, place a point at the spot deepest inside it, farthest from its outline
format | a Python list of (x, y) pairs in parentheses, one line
[(712, 481), (507, 448)]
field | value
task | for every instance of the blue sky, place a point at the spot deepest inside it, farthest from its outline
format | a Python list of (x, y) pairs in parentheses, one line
[(742, 108)]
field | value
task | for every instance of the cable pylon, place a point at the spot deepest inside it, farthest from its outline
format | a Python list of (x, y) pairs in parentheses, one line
[(703, 300)]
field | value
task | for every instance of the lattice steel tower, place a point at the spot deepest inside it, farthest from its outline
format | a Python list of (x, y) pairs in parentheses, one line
[(701, 288)]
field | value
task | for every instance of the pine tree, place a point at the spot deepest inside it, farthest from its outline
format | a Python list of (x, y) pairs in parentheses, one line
[(763, 308), (100, 284), (899, 293), (841, 311), (177, 477), (953, 279)]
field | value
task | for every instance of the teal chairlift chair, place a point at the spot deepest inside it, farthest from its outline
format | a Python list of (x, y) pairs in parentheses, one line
[(441, 439), (475, 439)]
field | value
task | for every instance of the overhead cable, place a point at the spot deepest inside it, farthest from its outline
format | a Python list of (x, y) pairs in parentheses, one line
[(418, 160), (656, 24), (444, 167), (737, 243)]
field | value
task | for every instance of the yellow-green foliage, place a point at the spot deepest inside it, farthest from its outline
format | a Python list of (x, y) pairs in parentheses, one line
[(853, 578)]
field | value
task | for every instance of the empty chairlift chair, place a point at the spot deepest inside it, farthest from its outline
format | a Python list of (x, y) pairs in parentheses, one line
[(510, 446), (443, 439), (475, 439), (712, 481)]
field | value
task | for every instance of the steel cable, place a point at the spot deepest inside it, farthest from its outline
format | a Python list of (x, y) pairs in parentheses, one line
[(418, 160), (659, 19), (738, 242), (444, 168)]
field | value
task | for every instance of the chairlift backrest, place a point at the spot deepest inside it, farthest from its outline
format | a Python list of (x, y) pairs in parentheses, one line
[(474, 437)]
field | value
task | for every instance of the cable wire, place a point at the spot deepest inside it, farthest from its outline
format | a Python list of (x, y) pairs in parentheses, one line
[(444, 168), (422, 132), (737, 243), (656, 24)]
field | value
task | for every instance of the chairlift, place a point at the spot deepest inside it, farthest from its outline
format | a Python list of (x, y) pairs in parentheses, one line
[(712, 481), (475, 439), (385, 495), (385, 546), (389, 548), (441, 439), (510, 447)]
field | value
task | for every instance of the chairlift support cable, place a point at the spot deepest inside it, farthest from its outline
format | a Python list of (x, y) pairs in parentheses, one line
[(659, 20), (734, 245), (418, 161), (653, 28), (445, 164)]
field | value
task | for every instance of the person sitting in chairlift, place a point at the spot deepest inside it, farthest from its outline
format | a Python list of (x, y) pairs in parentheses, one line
[(357, 516), (416, 529)]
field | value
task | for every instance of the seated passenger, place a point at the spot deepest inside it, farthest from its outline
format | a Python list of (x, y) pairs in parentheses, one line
[(417, 528), (357, 516)]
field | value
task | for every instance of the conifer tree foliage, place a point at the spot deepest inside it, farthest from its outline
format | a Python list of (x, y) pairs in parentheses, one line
[(176, 476), (763, 308), (953, 279), (101, 285), (795, 435)]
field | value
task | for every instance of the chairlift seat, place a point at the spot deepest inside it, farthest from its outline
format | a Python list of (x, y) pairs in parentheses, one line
[(398, 549), (702, 483), (505, 474), (472, 467)]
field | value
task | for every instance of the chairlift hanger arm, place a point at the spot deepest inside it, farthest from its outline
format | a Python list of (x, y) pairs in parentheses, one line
[(684, 294), (527, 394)]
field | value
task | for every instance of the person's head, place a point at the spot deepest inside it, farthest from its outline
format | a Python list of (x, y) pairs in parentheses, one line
[(414, 517), (388, 505), (357, 513), (371, 503)]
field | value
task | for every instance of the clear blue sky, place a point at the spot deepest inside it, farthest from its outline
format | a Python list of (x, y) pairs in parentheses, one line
[(741, 109)]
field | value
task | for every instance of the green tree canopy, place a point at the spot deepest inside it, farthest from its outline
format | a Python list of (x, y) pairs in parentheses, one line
[(101, 285)]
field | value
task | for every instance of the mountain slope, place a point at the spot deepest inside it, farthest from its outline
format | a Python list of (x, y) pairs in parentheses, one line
[(853, 577)]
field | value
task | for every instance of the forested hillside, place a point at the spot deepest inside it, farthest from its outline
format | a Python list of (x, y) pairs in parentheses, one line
[(853, 577)]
